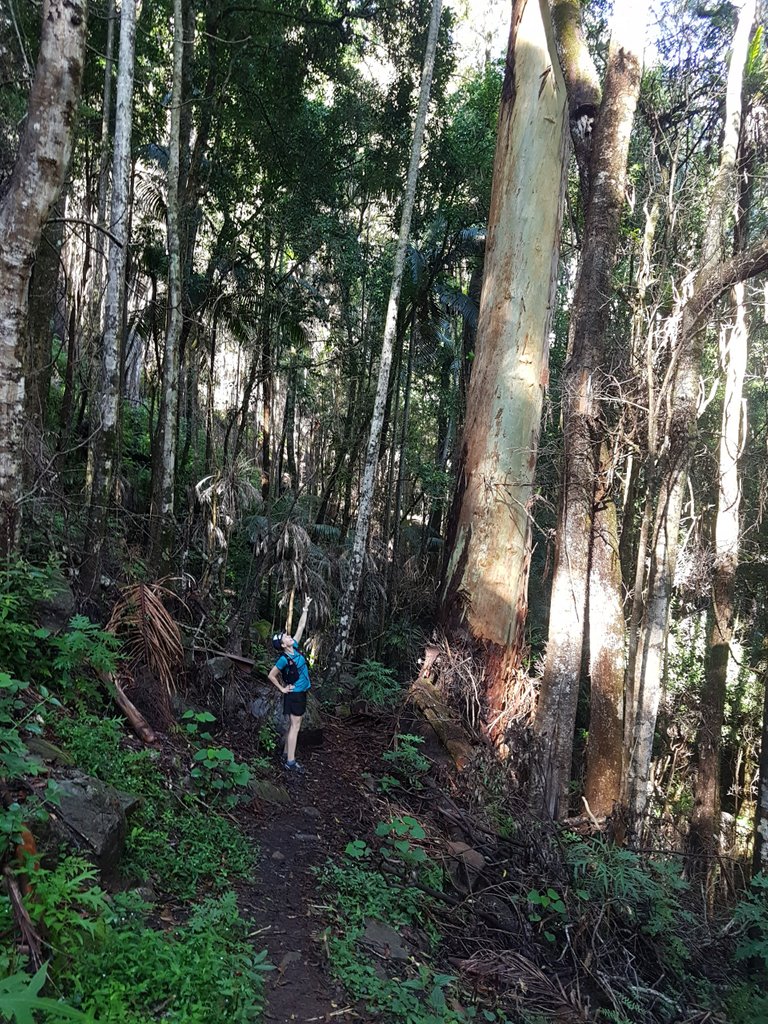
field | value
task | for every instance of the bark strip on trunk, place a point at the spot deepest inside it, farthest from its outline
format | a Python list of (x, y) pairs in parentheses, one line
[(583, 387), (602, 782)]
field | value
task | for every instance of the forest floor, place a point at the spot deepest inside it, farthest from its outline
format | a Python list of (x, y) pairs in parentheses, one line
[(326, 810)]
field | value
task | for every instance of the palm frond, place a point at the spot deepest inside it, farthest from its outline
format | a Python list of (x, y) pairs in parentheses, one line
[(149, 632), (149, 195), (457, 301)]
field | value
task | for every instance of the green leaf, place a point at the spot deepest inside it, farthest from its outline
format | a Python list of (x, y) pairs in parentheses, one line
[(20, 1000)]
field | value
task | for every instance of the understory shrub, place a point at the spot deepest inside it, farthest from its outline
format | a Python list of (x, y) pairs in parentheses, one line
[(634, 898), (376, 685), (415, 992)]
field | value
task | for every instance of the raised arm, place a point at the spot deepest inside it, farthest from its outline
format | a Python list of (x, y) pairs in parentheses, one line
[(302, 621)]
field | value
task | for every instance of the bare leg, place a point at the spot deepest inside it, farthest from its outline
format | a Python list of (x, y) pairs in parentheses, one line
[(291, 737)]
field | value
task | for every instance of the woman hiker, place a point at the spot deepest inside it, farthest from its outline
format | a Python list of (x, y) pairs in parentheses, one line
[(291, 676)]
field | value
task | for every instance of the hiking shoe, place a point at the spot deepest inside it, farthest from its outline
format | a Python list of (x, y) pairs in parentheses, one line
[(294, 766)]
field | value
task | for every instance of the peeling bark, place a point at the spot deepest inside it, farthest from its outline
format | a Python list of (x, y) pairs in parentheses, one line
[(602, 783)]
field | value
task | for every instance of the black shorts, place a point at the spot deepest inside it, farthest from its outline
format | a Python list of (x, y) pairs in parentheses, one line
[(295, 703)]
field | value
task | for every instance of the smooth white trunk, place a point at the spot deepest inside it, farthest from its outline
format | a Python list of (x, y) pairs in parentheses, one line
[(103, 189), (162, 511), (487, 572)]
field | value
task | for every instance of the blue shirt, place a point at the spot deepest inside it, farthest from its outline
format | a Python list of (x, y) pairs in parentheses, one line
[(297, 658)]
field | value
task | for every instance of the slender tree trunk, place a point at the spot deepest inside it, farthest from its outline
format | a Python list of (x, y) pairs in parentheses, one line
[(210, 420), (163, 497), (705, 821), (33, 189), (43, 302), (583, 430), (394, 412), (103, 454), (712, 280), (266, 409), (365, 505), (402, 469)]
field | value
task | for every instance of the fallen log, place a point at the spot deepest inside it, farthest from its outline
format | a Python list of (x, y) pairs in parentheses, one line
[(136, 720), (444, 722)]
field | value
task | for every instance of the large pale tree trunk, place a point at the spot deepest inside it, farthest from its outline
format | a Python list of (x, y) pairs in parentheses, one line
[(486, 579), (671, 473), (35, 184), (365, 504), (583, 386), (165, 460), (103, 454)]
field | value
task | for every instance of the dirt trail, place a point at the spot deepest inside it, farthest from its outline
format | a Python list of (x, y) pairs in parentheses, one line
[(327, 809)]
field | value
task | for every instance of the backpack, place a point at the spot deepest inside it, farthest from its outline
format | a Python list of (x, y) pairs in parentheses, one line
[(290, 673)]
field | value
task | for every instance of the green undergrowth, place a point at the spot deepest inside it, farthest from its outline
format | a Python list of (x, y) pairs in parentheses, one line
[(174, 841), (111, 964), (114, 958), (576, 900)]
